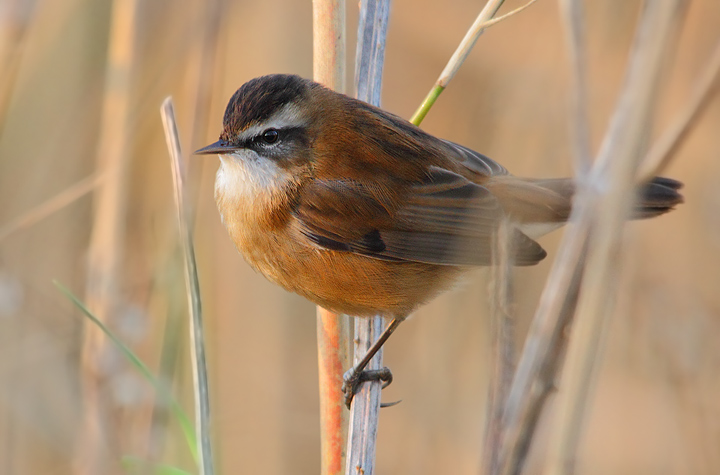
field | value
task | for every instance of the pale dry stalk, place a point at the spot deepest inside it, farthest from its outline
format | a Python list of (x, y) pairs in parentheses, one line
[(502, 350), (615, 176), (364, 412), (201, 391)]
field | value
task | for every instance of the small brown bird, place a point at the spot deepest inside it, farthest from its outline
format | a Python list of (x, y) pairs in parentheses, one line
[(364, 213)]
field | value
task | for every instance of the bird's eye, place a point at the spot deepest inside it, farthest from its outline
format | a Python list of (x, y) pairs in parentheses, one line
[(270, 136)]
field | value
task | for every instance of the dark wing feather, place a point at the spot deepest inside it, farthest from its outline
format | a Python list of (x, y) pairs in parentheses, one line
[(445, 220)]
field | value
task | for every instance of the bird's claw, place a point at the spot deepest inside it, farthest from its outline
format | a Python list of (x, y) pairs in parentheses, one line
[(352, 380)]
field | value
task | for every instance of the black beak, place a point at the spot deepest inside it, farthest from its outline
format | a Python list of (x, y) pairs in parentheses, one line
[(219, 147)]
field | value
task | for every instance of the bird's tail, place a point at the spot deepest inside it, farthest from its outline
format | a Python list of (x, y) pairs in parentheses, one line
[(656, 197), (539, 206)]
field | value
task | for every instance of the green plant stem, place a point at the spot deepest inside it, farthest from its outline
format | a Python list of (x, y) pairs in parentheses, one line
[(429, 101), (483, 21)]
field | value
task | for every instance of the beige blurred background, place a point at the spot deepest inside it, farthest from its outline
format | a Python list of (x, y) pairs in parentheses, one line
[(657, 405)]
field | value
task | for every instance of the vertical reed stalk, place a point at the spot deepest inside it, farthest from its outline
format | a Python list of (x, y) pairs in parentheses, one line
[(197, 340), (333, 331), (364, 413), (202, 73), (502, 351), (573, 21), (365, 409)]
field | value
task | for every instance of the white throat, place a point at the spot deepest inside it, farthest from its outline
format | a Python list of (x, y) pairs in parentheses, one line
[(246, 176)]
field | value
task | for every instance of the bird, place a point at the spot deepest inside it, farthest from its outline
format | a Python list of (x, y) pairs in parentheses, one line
[(364, 213)]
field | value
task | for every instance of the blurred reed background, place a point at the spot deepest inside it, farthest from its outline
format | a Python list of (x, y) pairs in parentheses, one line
[(657, 406)]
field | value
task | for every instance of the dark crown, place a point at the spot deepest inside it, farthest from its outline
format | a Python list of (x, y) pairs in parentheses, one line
[(260, 98)]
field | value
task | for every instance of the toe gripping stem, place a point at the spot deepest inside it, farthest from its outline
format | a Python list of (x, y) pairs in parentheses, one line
[(358, 374)]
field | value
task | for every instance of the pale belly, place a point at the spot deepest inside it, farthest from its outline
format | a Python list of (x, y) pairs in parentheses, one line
[(342, 281)]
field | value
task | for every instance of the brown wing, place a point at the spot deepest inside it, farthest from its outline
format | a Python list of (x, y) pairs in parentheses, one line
[(445, 220), (474, 161)]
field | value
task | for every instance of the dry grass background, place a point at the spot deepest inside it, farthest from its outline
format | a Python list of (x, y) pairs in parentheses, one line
[(657, 407)]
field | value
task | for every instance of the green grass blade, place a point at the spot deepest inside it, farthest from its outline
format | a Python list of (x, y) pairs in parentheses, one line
[(175, 408), (135, 465)]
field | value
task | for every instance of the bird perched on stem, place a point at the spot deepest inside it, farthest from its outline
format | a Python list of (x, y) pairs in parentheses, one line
[(364, 213)]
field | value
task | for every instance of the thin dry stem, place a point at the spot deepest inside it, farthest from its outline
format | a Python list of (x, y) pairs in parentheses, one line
[(333, 334), (197, 340), (573, 11), (370, 52), (333, 331), (665, 148), (364, 412), (484, 26), (502, 347), (482, 22), (202, 73), (51, 206), (618, 162), (329, 44), (467, 43), (545, 344), (540, 359)]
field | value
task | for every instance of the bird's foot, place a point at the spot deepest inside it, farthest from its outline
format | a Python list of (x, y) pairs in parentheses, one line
[(353, 378)]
